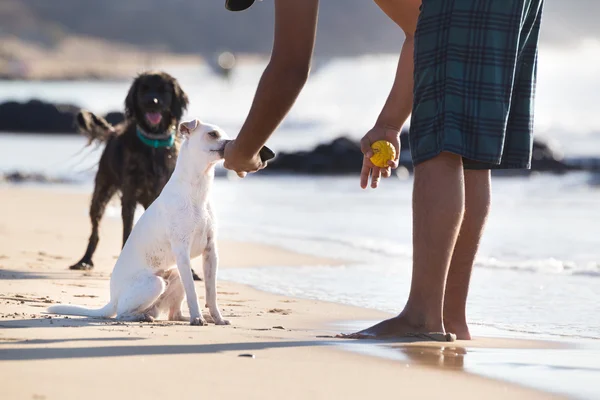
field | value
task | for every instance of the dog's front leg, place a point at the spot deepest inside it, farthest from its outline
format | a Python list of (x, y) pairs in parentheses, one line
[(211, 260), (184, 265)]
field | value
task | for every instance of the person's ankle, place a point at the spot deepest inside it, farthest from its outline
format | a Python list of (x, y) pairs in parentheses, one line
[(421, 321), (458, 326)]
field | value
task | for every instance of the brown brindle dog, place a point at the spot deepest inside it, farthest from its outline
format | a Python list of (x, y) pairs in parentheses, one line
[(140, 153)]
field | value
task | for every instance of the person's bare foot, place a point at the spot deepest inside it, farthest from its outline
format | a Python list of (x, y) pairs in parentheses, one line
[(397, 327), (459, 328)]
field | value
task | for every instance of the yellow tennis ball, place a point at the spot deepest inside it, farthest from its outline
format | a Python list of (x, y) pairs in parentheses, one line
[(383, 151)]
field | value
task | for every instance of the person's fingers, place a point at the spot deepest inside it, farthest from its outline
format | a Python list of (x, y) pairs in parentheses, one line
[(241, 174), (365, 147), (375, 177), (393, 164), (364, 174), (386, 172)]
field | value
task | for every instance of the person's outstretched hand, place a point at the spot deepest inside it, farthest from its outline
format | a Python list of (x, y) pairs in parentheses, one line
[(240, 162), (368, 168)]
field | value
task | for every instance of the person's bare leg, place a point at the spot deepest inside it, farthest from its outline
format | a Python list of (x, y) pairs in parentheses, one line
[(438, 208), (477, 206)]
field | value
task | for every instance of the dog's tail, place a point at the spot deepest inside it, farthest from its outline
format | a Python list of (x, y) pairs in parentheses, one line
[(95, 128), (107, 311)]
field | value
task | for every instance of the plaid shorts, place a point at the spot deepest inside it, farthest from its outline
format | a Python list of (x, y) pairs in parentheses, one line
[(474, 81)]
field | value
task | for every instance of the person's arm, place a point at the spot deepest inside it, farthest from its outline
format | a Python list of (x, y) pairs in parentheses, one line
[(387, 127), (398, 105), (394, 113), (281, 82)]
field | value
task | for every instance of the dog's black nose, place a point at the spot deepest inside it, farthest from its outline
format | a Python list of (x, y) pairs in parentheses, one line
[(152, 101)]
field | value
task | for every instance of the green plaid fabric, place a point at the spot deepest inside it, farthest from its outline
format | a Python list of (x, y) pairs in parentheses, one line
[(474, 81)]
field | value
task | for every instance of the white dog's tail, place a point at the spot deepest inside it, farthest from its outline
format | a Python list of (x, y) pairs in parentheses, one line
[(107, 311)]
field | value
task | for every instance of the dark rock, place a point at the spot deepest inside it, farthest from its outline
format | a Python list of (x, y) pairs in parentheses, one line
[(24, 177), (343, 156), (547, 159), (36, 116), (114, 117)]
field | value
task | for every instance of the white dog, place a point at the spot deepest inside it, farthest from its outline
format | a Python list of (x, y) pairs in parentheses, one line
[(153, 273)]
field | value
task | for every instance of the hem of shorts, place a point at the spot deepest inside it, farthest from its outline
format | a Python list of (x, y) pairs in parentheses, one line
[(472, 163)]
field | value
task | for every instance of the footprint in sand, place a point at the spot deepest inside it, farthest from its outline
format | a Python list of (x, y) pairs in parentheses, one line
[(22, 299), (280, 311), (54, 256)]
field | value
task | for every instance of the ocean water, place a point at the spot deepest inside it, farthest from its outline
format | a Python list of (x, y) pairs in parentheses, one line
[(538, 270)]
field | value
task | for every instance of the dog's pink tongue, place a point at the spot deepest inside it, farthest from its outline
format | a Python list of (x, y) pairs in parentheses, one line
[(154, 118)]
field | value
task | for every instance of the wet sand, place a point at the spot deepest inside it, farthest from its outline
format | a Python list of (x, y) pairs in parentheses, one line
[(276, 347)]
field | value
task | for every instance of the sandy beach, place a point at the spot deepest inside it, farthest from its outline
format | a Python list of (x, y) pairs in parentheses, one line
[(42, 231)]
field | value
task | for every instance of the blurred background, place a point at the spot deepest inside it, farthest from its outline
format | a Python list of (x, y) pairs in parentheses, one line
[(540, 253), (85, 54)]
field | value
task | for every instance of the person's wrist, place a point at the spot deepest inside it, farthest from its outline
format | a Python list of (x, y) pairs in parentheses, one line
[(242, 150), (382, 124)]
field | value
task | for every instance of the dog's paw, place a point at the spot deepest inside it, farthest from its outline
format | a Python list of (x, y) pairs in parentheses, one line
[(147, 318), (199, 321), (177, 316), (218, 319), (82, 266)]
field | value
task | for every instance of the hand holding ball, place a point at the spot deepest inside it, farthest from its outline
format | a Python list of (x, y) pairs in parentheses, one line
[(383, 152)]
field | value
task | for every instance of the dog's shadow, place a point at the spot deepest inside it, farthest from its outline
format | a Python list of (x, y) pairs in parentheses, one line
[(56, 353), (18, 275), (141, 350), (52, 353)]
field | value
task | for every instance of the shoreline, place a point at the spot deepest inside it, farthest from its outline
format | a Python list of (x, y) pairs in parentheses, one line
[(280, 331)]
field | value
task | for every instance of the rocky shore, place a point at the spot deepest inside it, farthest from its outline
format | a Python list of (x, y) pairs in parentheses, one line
[(37, 116), (342, 156)]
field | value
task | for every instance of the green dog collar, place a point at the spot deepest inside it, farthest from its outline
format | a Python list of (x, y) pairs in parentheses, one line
[(158, 140)]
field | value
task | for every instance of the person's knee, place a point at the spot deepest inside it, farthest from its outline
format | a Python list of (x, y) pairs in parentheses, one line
[(478, 177), (444, 160)]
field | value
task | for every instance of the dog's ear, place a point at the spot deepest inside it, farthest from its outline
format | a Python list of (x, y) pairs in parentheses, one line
[(180, 100), (188, 127), (131, 99)]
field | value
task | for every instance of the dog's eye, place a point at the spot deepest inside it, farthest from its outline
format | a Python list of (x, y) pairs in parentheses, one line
[(213, 134)]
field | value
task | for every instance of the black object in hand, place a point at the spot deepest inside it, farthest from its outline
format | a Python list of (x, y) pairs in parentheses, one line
[(266, 154)]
